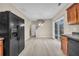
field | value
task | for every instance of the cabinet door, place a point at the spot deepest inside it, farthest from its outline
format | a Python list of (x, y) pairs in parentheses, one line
[(73, 47), (68, 16), (1, 48), (64, 45), (72, 15), (77, 13)]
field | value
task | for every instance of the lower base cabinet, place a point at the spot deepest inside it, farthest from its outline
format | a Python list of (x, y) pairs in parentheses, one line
[(69, 46), (64, 44), (73, 48), (1, 46)]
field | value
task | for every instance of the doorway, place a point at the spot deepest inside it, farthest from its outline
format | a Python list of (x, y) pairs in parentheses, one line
[(59, 28)]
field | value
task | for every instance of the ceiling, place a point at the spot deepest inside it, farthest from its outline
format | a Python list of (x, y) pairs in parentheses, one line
[(35, 11)]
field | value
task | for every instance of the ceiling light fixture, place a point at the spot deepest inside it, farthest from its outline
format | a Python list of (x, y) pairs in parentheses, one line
[(40, 22)]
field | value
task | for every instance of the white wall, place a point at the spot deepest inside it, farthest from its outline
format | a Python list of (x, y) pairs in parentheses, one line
[(10, 7), (45, 30), (33, 30), (68, 29)]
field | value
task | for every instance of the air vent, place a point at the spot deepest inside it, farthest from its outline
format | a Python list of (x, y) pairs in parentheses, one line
[(59, 4)]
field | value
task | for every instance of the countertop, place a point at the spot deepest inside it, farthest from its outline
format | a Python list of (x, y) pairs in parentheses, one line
[(72, 36), (1, 38)]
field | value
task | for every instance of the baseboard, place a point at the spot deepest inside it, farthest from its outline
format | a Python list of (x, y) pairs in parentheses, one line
[(44, 37)]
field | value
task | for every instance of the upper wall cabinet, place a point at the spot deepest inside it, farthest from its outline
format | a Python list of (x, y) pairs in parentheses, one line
[(73, 14)]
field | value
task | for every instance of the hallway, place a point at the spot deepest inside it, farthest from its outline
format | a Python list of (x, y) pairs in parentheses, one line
[(42, 47)]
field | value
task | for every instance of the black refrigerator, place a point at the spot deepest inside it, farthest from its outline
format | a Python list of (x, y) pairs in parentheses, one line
[(12, 29)]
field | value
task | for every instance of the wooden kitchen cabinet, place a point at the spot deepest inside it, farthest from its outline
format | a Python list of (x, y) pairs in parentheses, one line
[(78, 13), (1, 46), (73, 14), (64, 44)]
